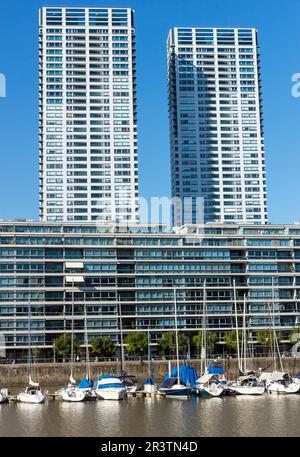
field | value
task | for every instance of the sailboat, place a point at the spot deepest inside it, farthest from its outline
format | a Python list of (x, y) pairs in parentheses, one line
[(208, 385), (278, 382), (247, 384), (149, 386), (107, 386), (281, 382), (32, 393), (71, 393), (128, 380), (85, 384), (172, 388)]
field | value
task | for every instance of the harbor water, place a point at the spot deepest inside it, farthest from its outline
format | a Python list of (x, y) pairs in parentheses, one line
[(267, 415)]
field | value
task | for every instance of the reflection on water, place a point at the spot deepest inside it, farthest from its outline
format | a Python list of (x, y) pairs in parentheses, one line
[(270, 415)]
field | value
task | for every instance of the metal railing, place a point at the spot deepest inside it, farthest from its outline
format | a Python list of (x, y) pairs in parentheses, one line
[(134, 358)]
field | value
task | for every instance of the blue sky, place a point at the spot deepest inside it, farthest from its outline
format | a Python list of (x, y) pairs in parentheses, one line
[(279, 33)]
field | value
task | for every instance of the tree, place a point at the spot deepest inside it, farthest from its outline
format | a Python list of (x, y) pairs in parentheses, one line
[(263, 337), (36, 352), (293, 336), (211, 339), (168, 342), (62, 345), (137, 343), (230, 339), (103, 346)]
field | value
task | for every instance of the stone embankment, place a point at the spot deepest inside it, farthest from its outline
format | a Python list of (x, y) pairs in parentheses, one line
[(54, 374)]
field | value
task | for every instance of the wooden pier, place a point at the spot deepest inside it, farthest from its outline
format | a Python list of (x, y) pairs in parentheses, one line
[(141, 394), (57, 397)]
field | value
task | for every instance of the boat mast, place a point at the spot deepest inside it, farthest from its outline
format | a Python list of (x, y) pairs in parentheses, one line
[(29, 339), (72, 335), (151, 367), (149, 354), (176, 336), (244, 337), (276, 346), (121, 338), (271, 334), (88, 374), (203, 336), (236, 325)]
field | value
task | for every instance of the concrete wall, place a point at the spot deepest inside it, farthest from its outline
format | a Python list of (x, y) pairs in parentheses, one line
[(58, 374)]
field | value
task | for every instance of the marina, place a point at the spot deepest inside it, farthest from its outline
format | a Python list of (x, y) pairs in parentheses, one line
[(268, 415), (181, 382)]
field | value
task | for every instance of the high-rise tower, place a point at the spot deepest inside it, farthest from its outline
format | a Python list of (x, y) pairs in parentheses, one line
[(87, 103), (216, 128)]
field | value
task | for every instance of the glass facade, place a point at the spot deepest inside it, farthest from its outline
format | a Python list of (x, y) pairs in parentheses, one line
[(216, 129), (139, 267), (87, 113)]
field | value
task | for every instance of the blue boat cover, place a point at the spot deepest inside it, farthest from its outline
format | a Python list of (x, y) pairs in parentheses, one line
[(108, 384), (149, 380), (215, 368), (169, 382), (187, 374), (84, 384)]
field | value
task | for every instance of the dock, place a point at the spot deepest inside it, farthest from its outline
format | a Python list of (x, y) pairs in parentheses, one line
[(141, 394)]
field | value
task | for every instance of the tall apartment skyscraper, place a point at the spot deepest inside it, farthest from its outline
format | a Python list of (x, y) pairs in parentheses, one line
[(216, 127), (87, 106)]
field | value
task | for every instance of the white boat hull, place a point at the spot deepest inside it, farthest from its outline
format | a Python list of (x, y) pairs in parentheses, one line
[(111, 394), (3, 397), (249, 390), (73, 395), (24, 397), (279, 388), (209, 392)]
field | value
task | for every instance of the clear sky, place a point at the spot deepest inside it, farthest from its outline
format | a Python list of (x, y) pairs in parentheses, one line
[(278, 23)]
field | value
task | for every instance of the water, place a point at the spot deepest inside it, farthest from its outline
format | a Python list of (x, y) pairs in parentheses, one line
[(270, 415)]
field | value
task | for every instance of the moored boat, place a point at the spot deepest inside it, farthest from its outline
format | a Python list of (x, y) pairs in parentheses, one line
[(109, 387), (72, 393), (248, 385), (32, 394), (208, 385), (281, 383), (171, 388)]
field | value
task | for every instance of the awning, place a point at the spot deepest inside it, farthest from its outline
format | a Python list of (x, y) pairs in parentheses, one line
[(74, 265), (205, 378), (74, 279)]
